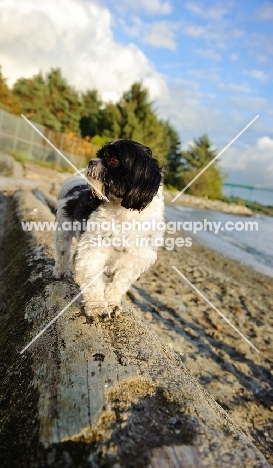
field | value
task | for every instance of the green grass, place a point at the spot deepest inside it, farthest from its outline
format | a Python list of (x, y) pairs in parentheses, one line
[(20, 156), (24, 157)]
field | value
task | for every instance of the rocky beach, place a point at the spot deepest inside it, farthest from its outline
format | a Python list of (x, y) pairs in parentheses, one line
[(234, 374)]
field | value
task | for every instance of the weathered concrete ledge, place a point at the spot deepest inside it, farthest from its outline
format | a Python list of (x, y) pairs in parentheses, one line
[(107, 394)]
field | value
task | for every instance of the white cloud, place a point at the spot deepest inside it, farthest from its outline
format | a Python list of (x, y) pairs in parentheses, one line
[(234, 57), (261, 46), (216, 12), (161, 34), (211, 74), (252, 164), (158, 34), (265, 143), (75, 36), (208, 54), (220, 34), (257, 74), (152, 7), (265, 12), (235, 88), (194, 31), (251, 105)]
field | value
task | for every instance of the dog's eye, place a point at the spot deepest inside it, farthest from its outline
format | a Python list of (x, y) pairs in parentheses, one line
[(114, 161)]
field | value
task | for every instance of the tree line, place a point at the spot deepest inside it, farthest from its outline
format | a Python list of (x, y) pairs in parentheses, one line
[(51, 101)]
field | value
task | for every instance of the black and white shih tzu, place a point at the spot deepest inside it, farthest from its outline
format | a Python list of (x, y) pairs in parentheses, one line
[(130, 179)]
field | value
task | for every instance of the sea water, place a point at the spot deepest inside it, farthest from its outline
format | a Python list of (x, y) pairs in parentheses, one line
[(253, 248)]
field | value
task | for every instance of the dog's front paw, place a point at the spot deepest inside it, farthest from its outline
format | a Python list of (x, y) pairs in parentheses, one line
[(114, 301), (114, 310), (96, 308)]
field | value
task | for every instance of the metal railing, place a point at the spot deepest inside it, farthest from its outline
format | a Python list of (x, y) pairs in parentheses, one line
[(16, 136), (249, 188)]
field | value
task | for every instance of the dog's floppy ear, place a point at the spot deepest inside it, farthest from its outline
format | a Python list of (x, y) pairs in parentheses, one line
[(145, 184)]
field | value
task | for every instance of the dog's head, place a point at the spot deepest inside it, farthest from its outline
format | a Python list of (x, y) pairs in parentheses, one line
[(126, 170)]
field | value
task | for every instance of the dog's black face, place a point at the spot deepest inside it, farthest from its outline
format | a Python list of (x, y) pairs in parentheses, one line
[(126, 170)]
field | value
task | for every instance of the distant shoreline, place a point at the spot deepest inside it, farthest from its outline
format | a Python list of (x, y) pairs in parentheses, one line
[(203, 203)]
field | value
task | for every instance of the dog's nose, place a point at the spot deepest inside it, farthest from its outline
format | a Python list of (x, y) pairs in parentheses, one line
[(91, 163)]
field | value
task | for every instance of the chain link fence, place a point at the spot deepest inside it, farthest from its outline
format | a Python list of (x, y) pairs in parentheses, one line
[(18, 137)]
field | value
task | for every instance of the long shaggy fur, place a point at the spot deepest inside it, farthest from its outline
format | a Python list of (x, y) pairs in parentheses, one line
[(126, 173)]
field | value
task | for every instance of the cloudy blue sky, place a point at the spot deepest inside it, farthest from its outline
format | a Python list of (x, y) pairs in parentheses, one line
[(208, 65)]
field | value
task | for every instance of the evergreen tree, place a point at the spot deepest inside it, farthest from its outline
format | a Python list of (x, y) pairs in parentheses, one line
[(199, 154), (49, 101), (32, 94), (63, 101), (174, 163), (91, 114), (8, 102), (111, 122)]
